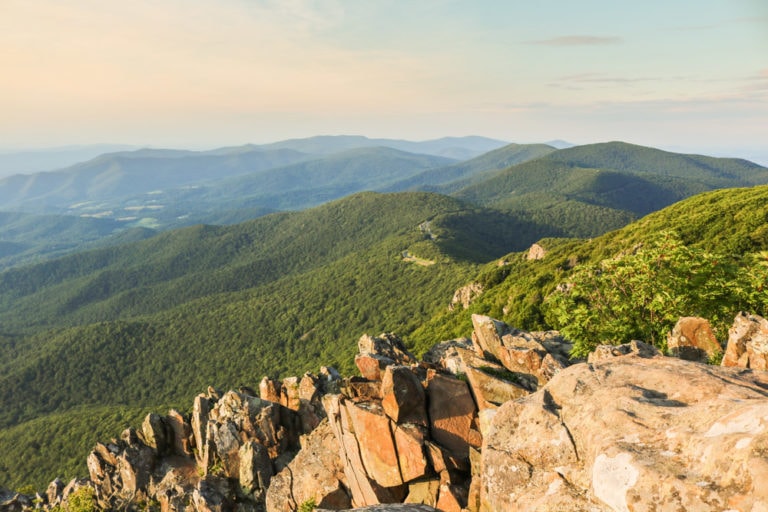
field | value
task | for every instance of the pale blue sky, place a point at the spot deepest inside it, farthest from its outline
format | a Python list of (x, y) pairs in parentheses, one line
[(200, 73)]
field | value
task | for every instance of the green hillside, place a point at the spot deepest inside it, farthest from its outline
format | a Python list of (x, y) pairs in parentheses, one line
[(615, 180), (152, 323), (731, 224), (316, 181), (26, 238), (129, 173)]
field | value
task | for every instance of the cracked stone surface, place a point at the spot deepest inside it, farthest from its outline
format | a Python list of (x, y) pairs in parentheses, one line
[(632, 433)]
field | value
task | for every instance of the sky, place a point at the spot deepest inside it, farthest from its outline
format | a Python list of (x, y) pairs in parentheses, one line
[(679, 74)]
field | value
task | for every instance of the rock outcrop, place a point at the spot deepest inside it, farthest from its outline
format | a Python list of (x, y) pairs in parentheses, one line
[(747, 343), (632, 433), (502, 421), (692, 339), (465, 295)]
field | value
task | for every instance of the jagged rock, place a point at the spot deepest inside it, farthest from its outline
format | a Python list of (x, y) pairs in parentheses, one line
[(53, 493), (316, 473), (134, 467), (255, 467), (310, 408), (403, 397), (451, 413), (692, 339), (409, 442), (181, 431), (451, 498), (517, 350), (175, 489), (199, 422), (446, 355), (423, 492), (157, 434), (633, 348), (491, 384), (226, 439), (361, 389), (465, 296), (536, 252), (289, 393), (377, 448), (473, 493), (270, 390), (747, 342), (364, 490), (101, 464), (211, 495), (632, 433), (330, 379), (376, 353), (13, 501)]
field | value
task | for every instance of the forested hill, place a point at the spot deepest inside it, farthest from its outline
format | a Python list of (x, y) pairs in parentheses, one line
[(726, 229), (461, 174), (148, 324), (588, 190)]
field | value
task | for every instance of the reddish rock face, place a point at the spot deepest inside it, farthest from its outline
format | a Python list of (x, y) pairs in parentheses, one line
[(692, 339), (316, 473), (451, 413), (403, 397), (409, 441), (270, 390), (377, 448), (182, 433), (371, 367)]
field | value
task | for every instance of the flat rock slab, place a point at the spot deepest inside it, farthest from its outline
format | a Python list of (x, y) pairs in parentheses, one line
[(388, 508), (631, 433)]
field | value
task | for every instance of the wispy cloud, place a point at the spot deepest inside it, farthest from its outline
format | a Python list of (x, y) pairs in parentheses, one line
[(578, 40)]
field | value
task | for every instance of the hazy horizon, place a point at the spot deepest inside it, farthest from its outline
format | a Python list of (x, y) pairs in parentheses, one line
[(692, 75)]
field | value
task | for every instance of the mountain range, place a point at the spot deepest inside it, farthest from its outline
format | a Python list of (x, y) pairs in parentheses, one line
[(146, 318), (577, 191)]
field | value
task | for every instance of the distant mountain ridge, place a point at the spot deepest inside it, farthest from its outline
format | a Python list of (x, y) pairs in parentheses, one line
[(611, 183), (458, 175), (579, 191)]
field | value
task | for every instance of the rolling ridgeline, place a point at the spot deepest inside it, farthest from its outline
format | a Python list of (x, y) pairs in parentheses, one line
[(97, 338)]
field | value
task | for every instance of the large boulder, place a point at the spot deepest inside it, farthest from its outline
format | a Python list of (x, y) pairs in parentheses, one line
[(465, 295), (632, 433), (315, 474), (692, 339), (376, 353), (403, 397), (452, 414), (363, 487), (747, 342), (518, 351)]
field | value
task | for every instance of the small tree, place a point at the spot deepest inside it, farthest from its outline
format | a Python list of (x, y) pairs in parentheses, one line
[(642, 294)]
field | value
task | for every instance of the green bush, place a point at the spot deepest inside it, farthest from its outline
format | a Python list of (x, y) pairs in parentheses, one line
[(642, 294)]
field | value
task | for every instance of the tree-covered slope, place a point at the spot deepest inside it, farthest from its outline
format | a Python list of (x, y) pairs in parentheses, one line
[(25, 238), (316, 181), (151, 323), (621, 181), (730, 222), (129, 173)]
